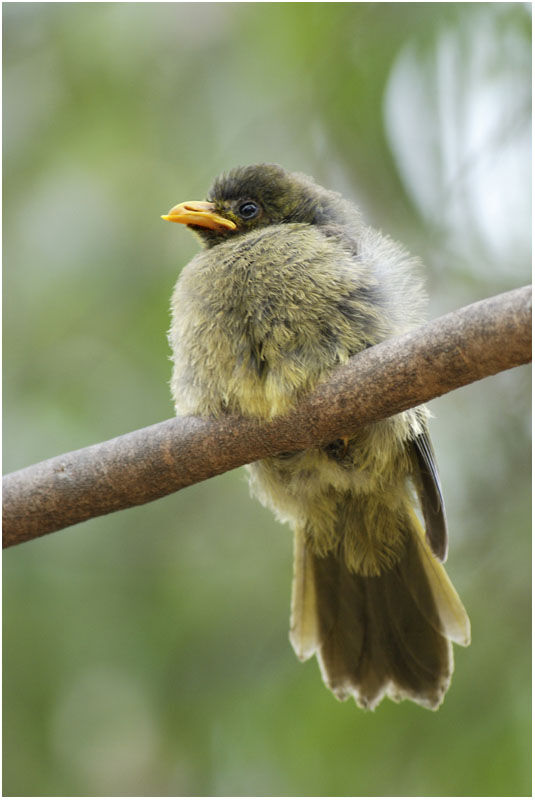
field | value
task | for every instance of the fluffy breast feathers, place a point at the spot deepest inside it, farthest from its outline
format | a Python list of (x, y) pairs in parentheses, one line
[(258, 321)]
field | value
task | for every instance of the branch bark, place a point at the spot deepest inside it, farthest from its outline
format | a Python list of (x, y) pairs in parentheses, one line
[(454, 350)]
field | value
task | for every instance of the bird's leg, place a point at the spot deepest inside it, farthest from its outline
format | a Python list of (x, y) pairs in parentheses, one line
[(338, 450)]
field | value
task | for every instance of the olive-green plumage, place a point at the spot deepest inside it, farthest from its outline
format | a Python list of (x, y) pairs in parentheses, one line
[(272, 305)]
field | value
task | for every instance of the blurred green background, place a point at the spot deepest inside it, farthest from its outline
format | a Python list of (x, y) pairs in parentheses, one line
[(147, 652)]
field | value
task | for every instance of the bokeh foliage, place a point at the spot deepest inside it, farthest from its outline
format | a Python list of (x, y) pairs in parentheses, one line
[(147, 652)]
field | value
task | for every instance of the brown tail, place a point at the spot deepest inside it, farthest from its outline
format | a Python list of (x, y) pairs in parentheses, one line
[(384, 635)]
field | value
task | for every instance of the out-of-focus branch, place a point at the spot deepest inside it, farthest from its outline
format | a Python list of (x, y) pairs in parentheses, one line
[(452, 351)]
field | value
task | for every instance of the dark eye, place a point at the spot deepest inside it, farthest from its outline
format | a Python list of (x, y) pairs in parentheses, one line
[(248, 210)]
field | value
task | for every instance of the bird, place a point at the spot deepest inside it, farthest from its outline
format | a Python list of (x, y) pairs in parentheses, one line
[(290, 283)]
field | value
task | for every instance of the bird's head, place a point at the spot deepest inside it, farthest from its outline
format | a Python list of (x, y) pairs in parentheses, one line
[(247, 198)]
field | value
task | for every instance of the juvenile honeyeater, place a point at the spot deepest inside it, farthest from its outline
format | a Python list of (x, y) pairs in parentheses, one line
[(289, 285)]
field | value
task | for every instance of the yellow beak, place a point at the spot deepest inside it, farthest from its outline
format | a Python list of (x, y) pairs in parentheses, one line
[(198, 213)]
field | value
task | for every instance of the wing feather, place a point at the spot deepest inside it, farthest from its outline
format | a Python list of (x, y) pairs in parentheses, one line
[(430, 495)]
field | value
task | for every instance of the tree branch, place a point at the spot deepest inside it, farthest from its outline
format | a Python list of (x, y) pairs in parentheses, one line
[(452, 351)]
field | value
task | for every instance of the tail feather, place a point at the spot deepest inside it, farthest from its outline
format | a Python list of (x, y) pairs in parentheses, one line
[(303, 622), (451, 618), (342, 619), (380, 635)]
